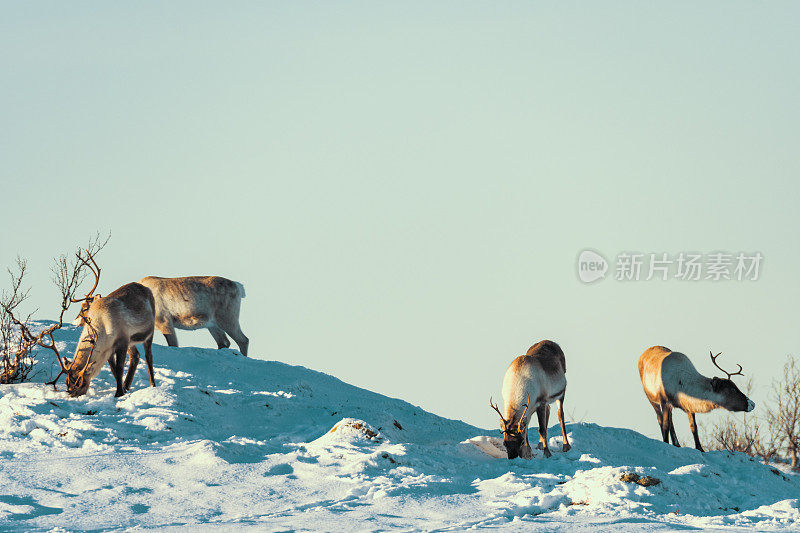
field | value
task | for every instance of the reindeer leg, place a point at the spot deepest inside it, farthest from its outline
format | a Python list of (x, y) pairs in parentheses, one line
[(693, 427), (230, 324), (112, 363), (541, 414), (148, 356), (164, 325), (171, 338), (565, 441), (241, 339), (668, 416), (547, 416), (219, 336), (661, 422), (133, 358), (525, 450), (542, 444), (118, 368)]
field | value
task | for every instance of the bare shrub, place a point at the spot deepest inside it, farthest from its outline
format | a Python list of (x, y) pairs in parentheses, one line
[(784, 415), (749, 435), (745, 436), (16, 360)]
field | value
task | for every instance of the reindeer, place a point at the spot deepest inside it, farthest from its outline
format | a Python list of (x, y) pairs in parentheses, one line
[(537, 375), (112, 326), (670, 380), (197, 302)]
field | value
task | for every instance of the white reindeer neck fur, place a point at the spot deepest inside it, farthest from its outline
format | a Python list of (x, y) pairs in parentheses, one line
[(692, 390), (697, 396), (527, 382), (97, 338)]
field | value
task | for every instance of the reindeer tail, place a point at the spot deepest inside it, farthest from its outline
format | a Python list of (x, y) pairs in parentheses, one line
[(239, 286)]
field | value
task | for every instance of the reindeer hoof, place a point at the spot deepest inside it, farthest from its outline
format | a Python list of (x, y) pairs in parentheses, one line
[(547, 452), (566, 447), (540, 446)]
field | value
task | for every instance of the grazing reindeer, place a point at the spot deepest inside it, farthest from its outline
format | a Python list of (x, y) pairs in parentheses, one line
[(671, 380), (537, 375), (197, 302), (112, 326)]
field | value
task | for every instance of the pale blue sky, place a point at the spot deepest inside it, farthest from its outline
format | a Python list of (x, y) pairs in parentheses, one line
[(404, 188)]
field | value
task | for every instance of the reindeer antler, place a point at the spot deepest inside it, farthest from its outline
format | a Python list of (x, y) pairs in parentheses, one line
[(81, 376), (93, 267), (729, 374), (527, 403), (493, 406), (521, 418), (52, 346)]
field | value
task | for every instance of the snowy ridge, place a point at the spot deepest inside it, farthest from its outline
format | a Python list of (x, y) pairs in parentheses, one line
[(227, 440)]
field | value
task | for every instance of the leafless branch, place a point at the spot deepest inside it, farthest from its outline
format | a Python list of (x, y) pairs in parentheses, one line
[(16, 338), (746, 435), (784, 415)]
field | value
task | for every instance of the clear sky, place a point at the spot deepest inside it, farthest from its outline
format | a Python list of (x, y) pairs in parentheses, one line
[(404, 188)]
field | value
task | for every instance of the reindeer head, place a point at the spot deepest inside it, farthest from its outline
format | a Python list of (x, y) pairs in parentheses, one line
[(77, 380), (730, 397), (68, 277), (83, 367), (514, 432), (87, 362)]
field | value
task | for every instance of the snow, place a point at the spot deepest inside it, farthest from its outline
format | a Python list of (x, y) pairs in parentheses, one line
[(224, 440)]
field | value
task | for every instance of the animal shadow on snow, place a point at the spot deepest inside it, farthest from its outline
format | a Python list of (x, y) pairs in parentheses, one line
[(28, 501)]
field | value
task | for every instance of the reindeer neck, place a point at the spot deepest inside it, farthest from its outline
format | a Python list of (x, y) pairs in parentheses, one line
[(697, 395)]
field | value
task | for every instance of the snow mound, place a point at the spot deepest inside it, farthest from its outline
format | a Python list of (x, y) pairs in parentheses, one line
[(349, 430), (224, 440)]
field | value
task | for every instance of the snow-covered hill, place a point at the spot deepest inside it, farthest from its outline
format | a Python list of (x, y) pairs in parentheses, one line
[(226, 440)]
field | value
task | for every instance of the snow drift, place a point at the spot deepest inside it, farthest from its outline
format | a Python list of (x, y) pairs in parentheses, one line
[(226, 440)]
